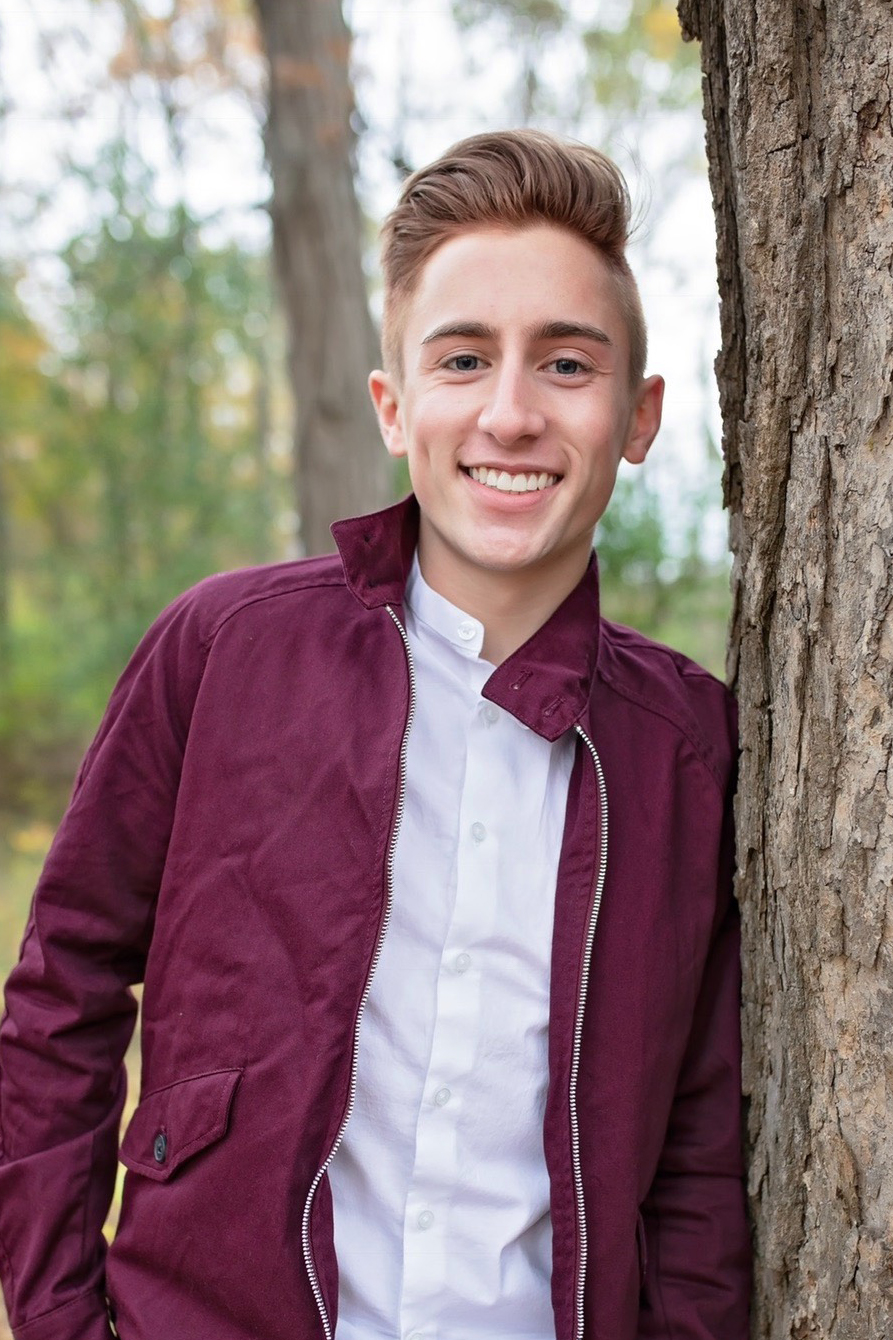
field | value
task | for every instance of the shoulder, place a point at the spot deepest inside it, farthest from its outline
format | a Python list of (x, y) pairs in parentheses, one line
[(169, 663), (217, 600), (661, 682)]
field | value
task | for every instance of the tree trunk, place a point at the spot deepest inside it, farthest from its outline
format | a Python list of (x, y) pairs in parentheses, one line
[(341, 466), (798, 109)]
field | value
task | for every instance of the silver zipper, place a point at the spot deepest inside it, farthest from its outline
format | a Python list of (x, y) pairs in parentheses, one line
[(352, 1092), (578, 1026)]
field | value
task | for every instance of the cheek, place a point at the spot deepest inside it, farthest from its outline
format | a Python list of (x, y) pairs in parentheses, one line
[(434, 430), (602, 437)]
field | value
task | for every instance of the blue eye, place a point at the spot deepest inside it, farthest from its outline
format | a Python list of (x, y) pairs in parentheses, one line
[(464, 362), (568, 367)]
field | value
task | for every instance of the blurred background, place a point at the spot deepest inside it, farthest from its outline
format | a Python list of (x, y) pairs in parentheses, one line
[(191, 191)]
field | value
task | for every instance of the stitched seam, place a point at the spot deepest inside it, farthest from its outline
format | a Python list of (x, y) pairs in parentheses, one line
[(53, 1311), (248, 601), (695, 740), (190, 1079)]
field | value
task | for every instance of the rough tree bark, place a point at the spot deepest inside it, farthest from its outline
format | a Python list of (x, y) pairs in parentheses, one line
[(341, 466), (798, 109)]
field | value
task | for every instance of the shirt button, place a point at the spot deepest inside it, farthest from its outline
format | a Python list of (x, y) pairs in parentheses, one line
[(467, 631), (442, 1097), (463, 962), (159, 1148), (478, 832), (426, 1219), (491, 713)]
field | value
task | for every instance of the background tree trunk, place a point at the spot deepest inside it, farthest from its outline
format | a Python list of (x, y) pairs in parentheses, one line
[(341, 465), (798, 108)]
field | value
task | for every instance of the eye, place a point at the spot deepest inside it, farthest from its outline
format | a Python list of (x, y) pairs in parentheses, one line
[(463, 363), (569, 367)]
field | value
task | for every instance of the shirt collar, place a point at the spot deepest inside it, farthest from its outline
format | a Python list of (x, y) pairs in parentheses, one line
[(546, 683), (462, 631)]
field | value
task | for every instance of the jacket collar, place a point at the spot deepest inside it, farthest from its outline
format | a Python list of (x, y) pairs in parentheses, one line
[(546, 683)]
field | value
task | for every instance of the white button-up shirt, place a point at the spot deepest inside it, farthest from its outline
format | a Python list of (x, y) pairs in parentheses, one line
[(441, 1194)]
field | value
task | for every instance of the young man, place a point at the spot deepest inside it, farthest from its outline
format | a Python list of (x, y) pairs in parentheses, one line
[(425, 867)]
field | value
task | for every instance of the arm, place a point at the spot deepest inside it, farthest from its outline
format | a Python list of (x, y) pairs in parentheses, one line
[(70, 1010), (698, 1248)]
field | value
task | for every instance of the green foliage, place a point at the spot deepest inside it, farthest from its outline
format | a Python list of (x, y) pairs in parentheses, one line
[(630, 539), (642, 64), (137, 458), (670, 593)]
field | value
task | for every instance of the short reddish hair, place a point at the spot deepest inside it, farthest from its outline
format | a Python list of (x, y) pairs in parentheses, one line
[(509, 179)]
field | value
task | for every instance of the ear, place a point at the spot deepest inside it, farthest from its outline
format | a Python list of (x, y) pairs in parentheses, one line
[(385, 395), (644, 420)]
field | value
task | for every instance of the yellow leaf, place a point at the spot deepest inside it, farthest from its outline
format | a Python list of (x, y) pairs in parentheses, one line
[(33, 840), (661, 26)]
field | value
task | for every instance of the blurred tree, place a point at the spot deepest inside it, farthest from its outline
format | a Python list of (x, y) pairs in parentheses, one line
[(137, 455), (317, 239)]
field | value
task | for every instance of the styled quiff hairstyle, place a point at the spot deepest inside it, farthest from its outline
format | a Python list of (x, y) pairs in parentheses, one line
[(508, 179)]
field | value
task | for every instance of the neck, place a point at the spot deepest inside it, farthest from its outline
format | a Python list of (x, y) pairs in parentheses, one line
[(510, 605)]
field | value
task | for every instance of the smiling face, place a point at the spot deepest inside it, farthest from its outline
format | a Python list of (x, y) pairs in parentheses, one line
[(515, 407)]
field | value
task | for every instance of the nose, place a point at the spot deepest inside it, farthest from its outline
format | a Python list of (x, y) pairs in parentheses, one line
[(511, 413)]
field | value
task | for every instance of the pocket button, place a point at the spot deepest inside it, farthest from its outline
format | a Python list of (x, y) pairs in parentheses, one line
[(159, 1149)]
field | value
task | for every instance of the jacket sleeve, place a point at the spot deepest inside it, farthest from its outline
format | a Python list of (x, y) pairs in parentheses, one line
[(697, 1274), (69, 1009)]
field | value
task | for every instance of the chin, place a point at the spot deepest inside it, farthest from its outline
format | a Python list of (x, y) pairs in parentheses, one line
[(504, 558)]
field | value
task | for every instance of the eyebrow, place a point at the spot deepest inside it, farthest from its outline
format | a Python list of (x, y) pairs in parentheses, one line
[(467, 330), (547, 330), (570, 330)]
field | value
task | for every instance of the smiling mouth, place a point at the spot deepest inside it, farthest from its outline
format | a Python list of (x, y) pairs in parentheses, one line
[(523, 482)]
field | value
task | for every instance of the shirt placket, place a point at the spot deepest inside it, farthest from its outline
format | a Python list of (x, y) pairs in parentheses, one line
[(438, 1167)]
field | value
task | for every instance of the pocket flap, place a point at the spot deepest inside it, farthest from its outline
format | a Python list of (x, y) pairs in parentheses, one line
[(173, 1123)]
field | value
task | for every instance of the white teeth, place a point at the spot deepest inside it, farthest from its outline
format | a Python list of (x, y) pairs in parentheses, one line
[(507, 483)]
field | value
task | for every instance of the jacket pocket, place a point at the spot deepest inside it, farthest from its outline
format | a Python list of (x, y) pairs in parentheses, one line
[(173, 1124)]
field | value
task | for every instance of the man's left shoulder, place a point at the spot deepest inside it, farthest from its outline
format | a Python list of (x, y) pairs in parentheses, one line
[(670, 685)]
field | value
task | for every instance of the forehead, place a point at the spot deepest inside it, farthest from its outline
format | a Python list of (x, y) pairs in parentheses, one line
[(514, 279)]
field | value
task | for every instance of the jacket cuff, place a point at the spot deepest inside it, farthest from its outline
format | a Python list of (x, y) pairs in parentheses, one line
[(84, 1318)]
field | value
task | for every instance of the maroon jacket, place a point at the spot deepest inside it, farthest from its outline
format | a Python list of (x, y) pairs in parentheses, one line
[(228, 844)]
